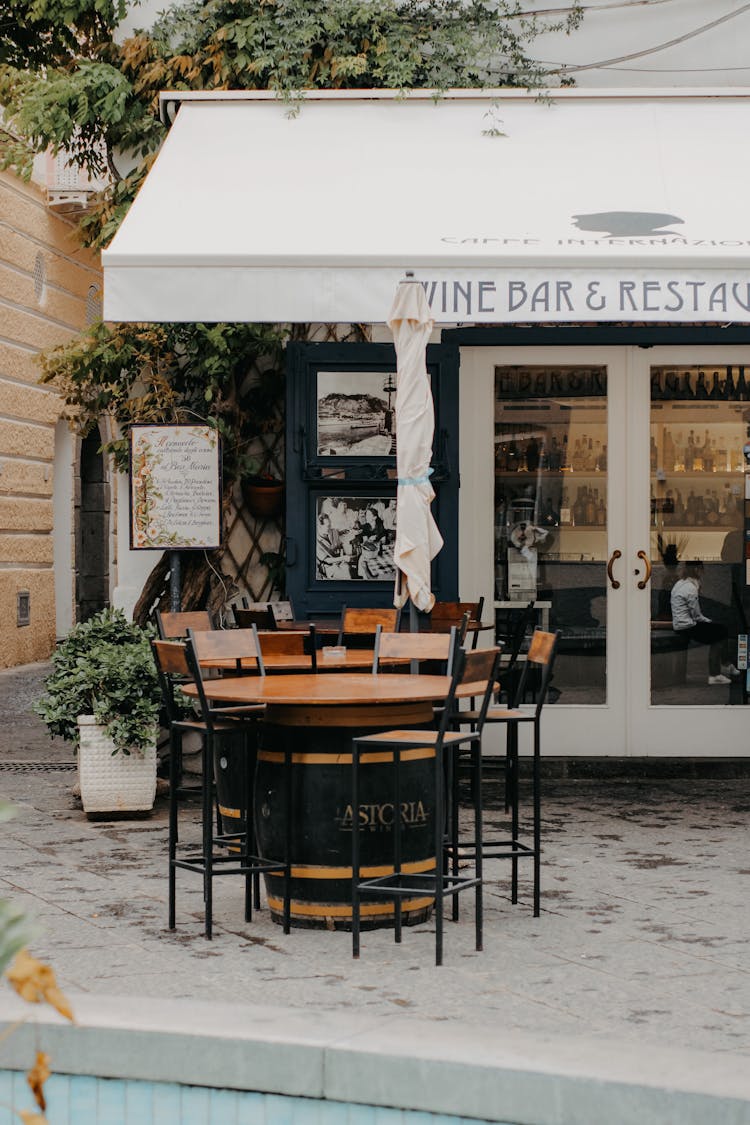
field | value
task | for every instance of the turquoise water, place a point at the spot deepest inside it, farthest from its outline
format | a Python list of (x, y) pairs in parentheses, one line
[(78, 1100)]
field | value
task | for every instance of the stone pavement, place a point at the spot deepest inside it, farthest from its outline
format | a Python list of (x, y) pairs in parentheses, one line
[(642, 938)]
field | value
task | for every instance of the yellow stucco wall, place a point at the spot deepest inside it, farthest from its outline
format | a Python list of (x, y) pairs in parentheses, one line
[(45, 280)]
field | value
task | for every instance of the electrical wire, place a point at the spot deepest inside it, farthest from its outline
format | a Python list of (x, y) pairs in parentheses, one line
[(222, 615), (590, 8), (676, 69), (567, 68)]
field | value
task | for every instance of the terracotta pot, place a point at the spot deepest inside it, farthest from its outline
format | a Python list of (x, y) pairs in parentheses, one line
[(263, 497)]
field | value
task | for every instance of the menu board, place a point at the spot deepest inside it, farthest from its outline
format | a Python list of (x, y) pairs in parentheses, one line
[(175, 488)]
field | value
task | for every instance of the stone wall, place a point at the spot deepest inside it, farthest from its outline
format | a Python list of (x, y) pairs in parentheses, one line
[(49, 287)]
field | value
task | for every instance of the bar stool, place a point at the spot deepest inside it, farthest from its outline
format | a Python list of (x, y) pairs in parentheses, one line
[(540, 658), (221, 853), (205, 651), (476, 668)]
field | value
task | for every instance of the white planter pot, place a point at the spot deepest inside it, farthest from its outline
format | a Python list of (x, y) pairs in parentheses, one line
[(113, 783)]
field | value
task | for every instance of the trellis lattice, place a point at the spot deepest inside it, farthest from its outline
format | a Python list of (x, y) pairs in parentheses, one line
[(249, 537)]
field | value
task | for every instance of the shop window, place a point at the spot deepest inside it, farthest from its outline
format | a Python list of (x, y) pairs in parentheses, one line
[(341, 474)]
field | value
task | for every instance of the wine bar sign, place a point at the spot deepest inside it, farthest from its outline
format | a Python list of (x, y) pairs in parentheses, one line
[(175, 488)]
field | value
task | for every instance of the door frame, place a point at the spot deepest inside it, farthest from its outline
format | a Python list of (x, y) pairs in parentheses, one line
[(606, 724), (628, 724), (661, 730)]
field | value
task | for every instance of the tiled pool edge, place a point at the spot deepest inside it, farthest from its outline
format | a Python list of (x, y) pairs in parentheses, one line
[(437, 1067)]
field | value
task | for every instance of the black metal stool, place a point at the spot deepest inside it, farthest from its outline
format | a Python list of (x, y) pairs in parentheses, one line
[(540, 659), (221, 853), (476, 668)]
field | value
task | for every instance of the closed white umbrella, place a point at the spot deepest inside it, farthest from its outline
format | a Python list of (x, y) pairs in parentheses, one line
[(417, 537)]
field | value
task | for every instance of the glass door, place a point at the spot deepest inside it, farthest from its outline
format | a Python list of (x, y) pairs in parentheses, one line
[(689, 604), (559, 507)]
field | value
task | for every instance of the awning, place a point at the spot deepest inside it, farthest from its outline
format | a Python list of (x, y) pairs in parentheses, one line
[(595, 206)]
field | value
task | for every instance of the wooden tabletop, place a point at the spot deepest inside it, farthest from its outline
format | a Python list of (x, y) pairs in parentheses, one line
[(343, 689)]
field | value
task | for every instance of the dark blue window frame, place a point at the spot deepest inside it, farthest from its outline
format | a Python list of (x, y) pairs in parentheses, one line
[(306, 478)]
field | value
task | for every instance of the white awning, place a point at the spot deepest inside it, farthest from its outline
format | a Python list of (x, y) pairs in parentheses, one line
[(597, 206)]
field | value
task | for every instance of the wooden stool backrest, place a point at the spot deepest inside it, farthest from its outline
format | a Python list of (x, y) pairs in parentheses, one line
[(170, 658), (445, 614), (259, 615), (479, 667), (414, 646), (281, 611), (284, 641), (542, 647), (541, 654), (173, 670), (291, 642), (226, 644), (174, 625), (362, 621)]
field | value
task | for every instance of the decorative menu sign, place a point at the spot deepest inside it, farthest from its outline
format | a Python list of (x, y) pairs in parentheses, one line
[(175, 488)]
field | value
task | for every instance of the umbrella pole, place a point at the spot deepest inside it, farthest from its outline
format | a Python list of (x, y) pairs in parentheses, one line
[(413, 628)]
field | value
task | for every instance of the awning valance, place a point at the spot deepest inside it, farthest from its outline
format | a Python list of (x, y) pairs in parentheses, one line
[(595, 206)]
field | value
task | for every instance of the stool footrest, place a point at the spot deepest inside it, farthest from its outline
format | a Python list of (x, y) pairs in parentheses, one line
[(390, 886), (256, 864), (511, 849)]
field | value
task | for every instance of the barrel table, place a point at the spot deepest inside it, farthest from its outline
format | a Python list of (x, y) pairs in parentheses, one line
[(314, 717)]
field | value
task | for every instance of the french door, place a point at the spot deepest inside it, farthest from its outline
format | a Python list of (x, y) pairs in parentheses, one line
[(601, 473)]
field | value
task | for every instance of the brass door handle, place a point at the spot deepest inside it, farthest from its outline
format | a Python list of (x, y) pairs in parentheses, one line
[(612, 560), (647, 563)]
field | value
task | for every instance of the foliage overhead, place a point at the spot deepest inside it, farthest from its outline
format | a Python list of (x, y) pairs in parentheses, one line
[(45, 32), (100, 103), (174, 373), (67, 82)]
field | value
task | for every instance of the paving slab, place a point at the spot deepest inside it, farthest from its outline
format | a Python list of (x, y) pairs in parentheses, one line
[(641, 942)]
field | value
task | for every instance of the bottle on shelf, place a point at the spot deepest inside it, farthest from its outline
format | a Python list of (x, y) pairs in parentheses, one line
[(565, 513), (708, 454), (669, 508), (741, 390), (501, 457), (550, 517), (668, 454), (679, 508), (590, 509), (720, 455), (686, 386), (653, 454), (716, 387), (511, 457), (579, 509), (701, 389), (656, 391), (689, 453), (555, 454), (671, 385), (532, 454), (679, 453), (727, 391)]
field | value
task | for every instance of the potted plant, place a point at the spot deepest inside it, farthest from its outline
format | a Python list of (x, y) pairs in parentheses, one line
[(103, 696), (263, 494)]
